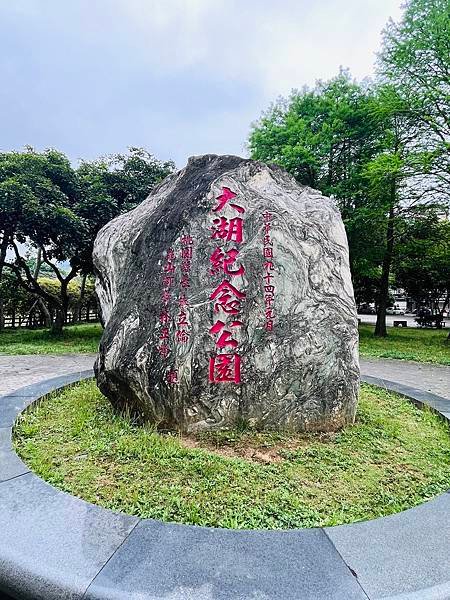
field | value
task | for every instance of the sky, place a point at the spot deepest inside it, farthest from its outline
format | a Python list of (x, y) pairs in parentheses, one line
[(178, 77)]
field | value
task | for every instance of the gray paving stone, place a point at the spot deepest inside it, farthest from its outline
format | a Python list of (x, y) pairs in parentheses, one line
[(41, 388), (430, 378), (17, 371), (405, 555), (194, 563), (52, 544), (11, 406), (10, 464)]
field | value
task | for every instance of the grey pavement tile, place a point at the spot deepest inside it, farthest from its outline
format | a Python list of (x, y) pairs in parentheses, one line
[(195, 563), (430, 377), (11, 406), (10, 464), (44, 387), (52, 544), (405, 553), (421, 396)]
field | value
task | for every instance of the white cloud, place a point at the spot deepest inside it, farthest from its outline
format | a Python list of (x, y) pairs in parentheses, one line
[(279, 45), (177, 76)]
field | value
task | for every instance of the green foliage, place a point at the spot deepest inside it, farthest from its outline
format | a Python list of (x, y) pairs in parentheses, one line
[(53, 286), (325, 137), (415, 60), (394, 457), (75, 339), (115, 184), (422, 265), (15, 299), (381, 149), (58, 212)]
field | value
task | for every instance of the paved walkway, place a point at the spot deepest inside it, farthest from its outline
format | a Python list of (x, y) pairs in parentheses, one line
[(423, 376), (17, 371)]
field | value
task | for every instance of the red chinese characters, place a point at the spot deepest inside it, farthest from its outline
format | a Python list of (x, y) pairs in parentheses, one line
[(168, 279), (225, 368), (230, 230), (176, 268), (268, 275), (227, 298), (224, 197), (182, 333), (222, 261)]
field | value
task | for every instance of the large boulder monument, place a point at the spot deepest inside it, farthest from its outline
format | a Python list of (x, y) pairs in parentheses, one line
[(226, 298)]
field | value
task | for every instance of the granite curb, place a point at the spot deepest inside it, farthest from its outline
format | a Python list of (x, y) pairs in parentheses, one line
[(54, 546)]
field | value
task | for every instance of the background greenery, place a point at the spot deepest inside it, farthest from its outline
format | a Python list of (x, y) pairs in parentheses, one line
[(379, 147), (407, 344)]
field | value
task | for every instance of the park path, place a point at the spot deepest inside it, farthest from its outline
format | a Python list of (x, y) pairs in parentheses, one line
[(17, 371), (423, 376)]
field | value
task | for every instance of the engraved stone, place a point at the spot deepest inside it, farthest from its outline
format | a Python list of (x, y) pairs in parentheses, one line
[(226, 297)]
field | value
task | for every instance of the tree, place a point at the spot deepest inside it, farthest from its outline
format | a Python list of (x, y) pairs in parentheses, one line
[(56, 212), (422, 265), (414, 76), (325, 138), (115, 184), (415, 60), (358, 144), (38, 194)]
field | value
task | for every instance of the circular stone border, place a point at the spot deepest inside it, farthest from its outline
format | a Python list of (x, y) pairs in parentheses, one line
[(55, 546)]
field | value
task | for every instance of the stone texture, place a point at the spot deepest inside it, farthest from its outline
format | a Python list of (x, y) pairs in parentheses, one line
[(404, 556), (303, 375), (51, 544), (174, 562)]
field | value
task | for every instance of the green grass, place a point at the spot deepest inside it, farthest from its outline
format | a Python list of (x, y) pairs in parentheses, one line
[(421, 345), (394, 457), (407, 344), (76, 339)]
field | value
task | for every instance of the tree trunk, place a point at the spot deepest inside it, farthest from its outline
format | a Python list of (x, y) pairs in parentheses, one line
[(444, 306), (61, 309), (380, 327), (58, 321), (46, 313), (3, 250), (82, 292)]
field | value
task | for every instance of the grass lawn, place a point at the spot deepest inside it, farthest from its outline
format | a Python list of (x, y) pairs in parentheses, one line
[(407, 344), (394, 457), (76, 339), (422, 345)]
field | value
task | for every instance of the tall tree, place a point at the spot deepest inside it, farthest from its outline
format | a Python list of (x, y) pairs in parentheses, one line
[(325, 137), (415, 59), (422, 263), (38, 194), (358, 144)]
